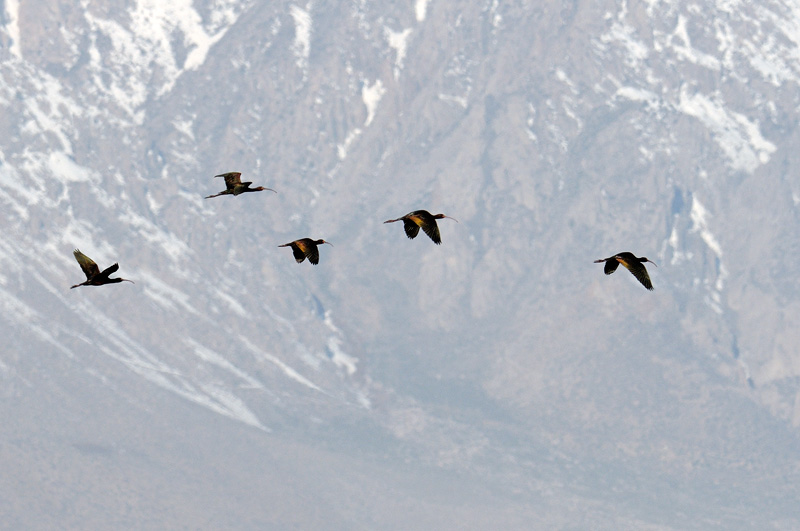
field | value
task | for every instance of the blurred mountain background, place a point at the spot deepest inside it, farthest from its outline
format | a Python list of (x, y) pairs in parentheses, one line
[(498, 381)]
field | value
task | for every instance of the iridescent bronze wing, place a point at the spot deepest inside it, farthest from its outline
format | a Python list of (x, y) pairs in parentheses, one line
[(432, 230), (232, 179), (299, 252), (611, 265), (88, 265), (109, 270), (312, 252), (640, 272), (412, 229)]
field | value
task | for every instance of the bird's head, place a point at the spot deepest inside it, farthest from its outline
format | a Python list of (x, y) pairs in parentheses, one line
[(442, 216), (319, 242), (644, 259), (260, 188)]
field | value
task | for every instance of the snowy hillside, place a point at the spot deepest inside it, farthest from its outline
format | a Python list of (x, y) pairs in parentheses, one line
[(498, 380)]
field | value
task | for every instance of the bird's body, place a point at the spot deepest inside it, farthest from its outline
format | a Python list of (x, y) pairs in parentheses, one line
[(235, 186), (306, 248), (422, 219), (632, 263), (95, 277)]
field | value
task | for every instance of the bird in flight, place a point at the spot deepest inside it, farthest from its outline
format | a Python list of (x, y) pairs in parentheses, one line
[(422, 219), (235, 186), (306, 248), (94, 277), (632, 263)]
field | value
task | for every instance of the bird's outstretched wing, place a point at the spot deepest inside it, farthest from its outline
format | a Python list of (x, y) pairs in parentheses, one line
[(306, 248), (297, 250), (432, 230), (109, 270), (88, 265), (412, 229), (640, 272), (312, 252), (611, 265), (232, 179)]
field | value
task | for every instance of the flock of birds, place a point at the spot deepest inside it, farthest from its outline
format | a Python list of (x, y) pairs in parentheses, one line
[(309, 248)]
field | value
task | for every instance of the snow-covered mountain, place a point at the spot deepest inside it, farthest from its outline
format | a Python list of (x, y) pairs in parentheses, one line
[(499, 380)]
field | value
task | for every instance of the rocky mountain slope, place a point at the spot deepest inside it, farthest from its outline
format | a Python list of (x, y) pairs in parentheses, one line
[(499, 379)]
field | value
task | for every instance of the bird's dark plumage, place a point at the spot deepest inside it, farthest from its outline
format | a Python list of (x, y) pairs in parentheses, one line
[(632, 263), (235, 186), (94, 277), (422, 219), (306, 248)]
